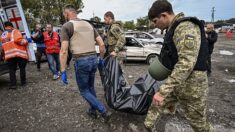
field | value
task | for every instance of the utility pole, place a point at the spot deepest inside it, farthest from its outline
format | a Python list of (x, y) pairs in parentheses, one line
[(213, 14), (93, 14)]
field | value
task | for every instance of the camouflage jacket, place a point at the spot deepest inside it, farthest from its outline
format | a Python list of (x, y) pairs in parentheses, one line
[(188, 49), (115, 38)]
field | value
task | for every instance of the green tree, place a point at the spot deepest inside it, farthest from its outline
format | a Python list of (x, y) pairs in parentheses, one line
[(143, 23), (48, 11), (221, 23), (120, 22), (129, 25), (96, 19), (231, 21)]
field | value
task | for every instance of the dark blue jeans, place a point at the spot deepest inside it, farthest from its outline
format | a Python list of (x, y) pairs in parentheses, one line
[(85, 69), (54, 63)]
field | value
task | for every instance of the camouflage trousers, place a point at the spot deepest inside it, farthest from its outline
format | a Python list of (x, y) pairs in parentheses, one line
[(192, 96)]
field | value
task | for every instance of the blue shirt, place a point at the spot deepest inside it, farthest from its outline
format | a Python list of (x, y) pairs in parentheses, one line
[(39, 41)]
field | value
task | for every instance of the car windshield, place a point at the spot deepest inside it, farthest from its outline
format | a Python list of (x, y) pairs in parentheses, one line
[(141, 42), (143, 35), (131, 41), (150, 35)]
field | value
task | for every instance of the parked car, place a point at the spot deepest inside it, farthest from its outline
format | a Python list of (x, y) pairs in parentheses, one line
[(137, 50), (145, 37)]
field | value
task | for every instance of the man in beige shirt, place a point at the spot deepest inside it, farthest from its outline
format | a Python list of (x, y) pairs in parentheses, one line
[(79, 36)]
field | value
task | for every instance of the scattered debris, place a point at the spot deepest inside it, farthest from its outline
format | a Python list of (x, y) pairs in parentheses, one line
[(226, 70), (130, 76), (225, 52), (231, 80), (211, 110), (227, 98), (113, 126), (233, 103), (133, 127)]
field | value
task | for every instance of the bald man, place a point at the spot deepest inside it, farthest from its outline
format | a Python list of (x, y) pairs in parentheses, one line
[(211, 38)]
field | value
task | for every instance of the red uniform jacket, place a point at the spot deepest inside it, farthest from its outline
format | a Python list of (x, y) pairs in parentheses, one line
[(52, 42)]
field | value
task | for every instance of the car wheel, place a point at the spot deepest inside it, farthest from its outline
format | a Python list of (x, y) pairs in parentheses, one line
[(151, 58)]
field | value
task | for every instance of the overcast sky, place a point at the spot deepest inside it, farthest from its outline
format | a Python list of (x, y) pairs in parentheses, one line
[(126, 10)]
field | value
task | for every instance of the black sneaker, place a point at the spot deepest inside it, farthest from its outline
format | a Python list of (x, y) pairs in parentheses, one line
[(106, 116), (92, 114)]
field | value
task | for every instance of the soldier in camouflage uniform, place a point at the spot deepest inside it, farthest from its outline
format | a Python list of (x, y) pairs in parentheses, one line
[(185, 85), (115, 37)]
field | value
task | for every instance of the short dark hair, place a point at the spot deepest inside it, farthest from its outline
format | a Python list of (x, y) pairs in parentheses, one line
[(8, 24), (159, 7), (49, 24), (109, 14), (70, 8)]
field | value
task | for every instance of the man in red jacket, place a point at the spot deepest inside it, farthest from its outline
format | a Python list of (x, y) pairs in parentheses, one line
[(51, 39)]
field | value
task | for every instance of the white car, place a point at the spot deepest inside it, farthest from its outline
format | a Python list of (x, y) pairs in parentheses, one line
[(137, 50), (145, 37)]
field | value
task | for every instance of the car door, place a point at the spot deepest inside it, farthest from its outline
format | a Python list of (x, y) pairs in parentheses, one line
[(135, 51)]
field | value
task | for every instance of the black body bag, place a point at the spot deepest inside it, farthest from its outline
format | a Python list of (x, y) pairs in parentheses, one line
[(134, 99)]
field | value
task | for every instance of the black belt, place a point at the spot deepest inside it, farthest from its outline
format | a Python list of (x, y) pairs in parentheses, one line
[(83, 54)]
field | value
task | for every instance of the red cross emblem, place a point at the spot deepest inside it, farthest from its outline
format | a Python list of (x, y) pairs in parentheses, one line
[(15, 18)]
